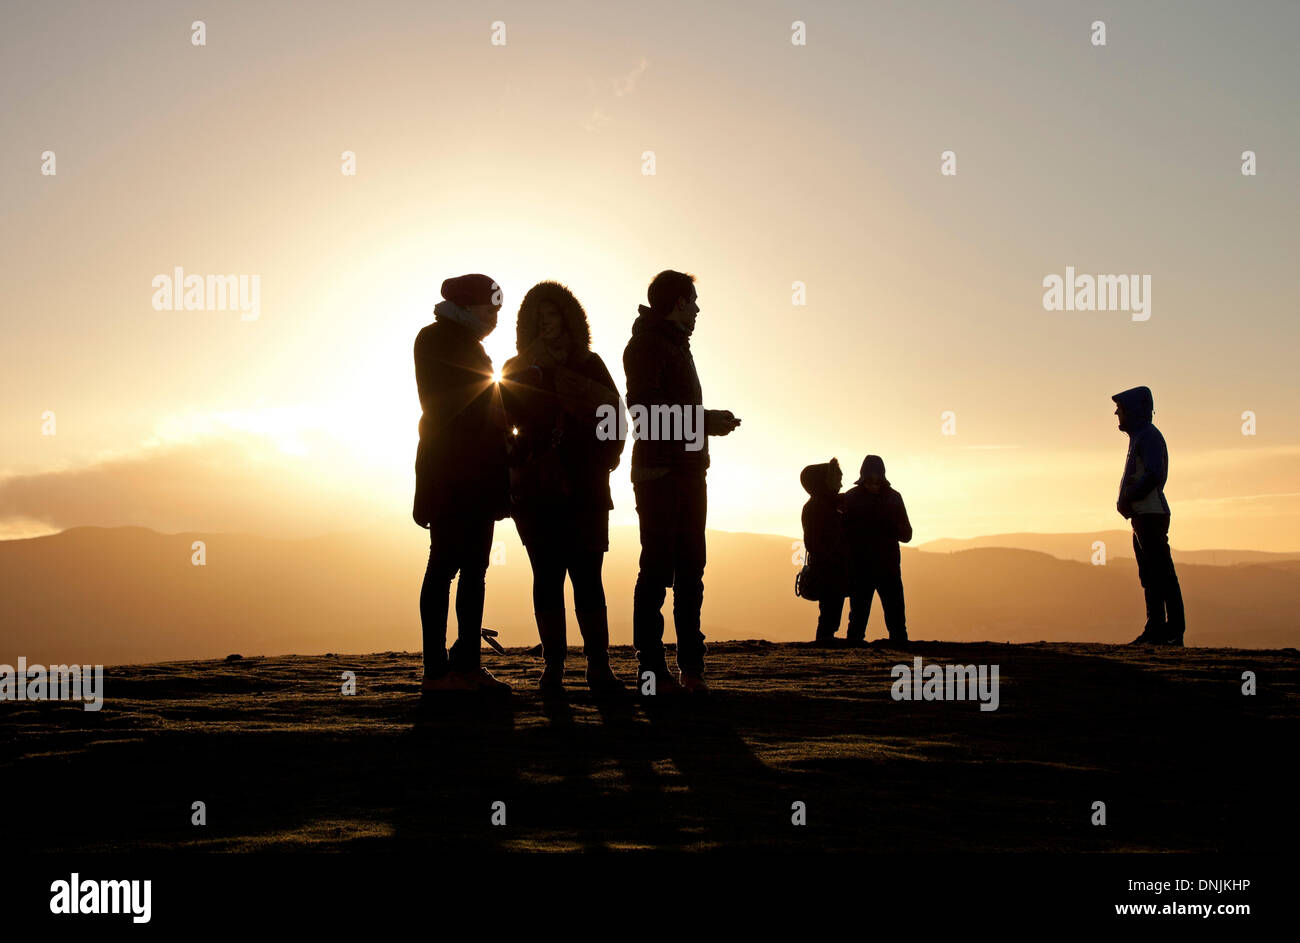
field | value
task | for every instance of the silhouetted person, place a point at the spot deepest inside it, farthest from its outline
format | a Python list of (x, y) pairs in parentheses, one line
[(461, 481), (825, 544), (1142, 501), (553, 391), (875, 521), (669, 459)]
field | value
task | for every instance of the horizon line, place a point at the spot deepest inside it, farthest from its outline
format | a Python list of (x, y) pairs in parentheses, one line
[(372, 529)]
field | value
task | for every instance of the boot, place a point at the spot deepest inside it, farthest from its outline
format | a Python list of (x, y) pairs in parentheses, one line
[(665, 684), (695, 685), (552, 630), (1155, 630), (594, 626)]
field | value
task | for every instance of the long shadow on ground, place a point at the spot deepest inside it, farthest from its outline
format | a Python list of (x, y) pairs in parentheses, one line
[(282, 760)]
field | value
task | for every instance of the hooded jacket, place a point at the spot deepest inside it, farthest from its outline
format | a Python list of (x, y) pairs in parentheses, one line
[(529, 325), (1146, 467), (875, 523), (660, 371), (823, 518), (554, 408), (460, 463)]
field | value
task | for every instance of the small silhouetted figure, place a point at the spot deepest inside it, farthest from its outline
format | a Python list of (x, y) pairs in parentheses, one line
[(825, 543), (875, 521), (1142, 502), (461, 481), (669, 462), (554, 391)]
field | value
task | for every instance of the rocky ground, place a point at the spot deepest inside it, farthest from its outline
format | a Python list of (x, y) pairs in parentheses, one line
[(282, 759)]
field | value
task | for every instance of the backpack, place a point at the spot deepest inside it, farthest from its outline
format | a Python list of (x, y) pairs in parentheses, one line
[(808, 583)]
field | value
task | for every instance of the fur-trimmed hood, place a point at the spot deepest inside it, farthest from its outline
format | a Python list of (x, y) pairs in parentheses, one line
[(530, 322)]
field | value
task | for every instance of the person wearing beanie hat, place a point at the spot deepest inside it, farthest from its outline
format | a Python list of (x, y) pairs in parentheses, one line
[(472, 301), (461, 478), (875, 520), (1142, 502)]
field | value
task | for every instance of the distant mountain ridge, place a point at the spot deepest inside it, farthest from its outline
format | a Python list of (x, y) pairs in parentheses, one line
[(116, 595), (1119, 543)]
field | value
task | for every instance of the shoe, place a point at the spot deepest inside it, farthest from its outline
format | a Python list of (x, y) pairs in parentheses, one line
[(665, 684), (450, 681), (695, 685), (601, 680), (551, 682), (485, 682), (594, 626), (1174, 640), (1146, 638), (825, 641)]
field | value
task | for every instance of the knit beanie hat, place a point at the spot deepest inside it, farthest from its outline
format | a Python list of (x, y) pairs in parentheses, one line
[(469, 290)]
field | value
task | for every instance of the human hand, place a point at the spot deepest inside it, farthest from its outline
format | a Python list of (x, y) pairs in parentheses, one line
[(720, 422)]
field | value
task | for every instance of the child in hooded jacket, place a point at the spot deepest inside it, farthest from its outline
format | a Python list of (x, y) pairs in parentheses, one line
[(823, 540)]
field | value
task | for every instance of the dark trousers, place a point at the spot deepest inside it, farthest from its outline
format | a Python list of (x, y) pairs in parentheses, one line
[(456, 544), (887, 580), (832, 581), (829, 611), (672, 512), (1164, 598), (551, 562)]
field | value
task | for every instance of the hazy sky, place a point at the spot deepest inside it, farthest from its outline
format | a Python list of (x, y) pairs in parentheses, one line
[(775, 163)]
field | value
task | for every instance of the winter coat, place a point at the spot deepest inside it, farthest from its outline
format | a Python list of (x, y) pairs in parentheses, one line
[(875, 523), (560, 466), (1146, 467), (661, 372), (823, 519), (460, 463)]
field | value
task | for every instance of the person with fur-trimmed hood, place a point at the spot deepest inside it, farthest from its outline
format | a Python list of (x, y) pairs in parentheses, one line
[(1142, 502), (554, 392)]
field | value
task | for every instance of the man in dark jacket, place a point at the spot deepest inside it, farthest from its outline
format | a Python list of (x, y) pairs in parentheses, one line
[(669, 459), (824, 543), (461, 478), (1142, 501), (875, 520)]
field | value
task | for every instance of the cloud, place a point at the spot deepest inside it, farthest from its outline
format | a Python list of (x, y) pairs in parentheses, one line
[(625, 85), (597, 120), (622, 86), (232, 484)]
